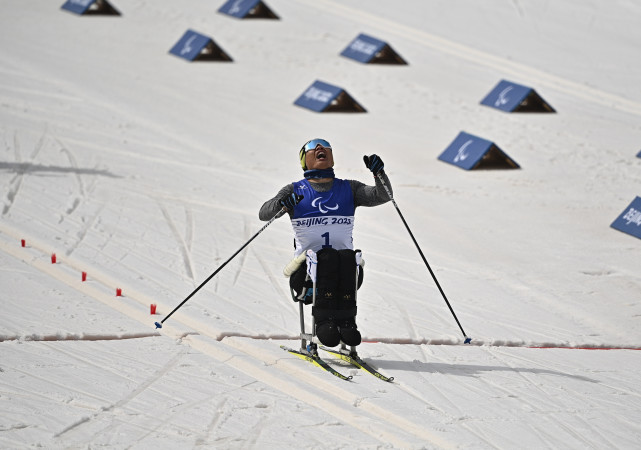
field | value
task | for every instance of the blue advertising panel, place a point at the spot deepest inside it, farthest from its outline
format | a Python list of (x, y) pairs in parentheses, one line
[(466, 151), (630, 220), (506, 96), (318, 96), (190, 45), (78, 6), (363, 48), (238, 8)]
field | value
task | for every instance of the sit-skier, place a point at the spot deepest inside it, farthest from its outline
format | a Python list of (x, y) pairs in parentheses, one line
[(321, 208)]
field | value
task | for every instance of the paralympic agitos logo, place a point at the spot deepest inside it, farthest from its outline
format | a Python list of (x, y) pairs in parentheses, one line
[(322, 205)]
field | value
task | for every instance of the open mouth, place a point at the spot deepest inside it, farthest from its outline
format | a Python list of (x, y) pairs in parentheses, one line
[(321, 155)]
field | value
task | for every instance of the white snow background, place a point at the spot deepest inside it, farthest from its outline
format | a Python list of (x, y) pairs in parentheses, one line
[(147, 172)]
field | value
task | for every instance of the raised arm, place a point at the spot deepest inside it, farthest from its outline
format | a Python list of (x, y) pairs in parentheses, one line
[(365, 195)]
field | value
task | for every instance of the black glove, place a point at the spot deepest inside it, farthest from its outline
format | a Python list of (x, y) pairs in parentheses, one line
[(374, 163), (291, 200)]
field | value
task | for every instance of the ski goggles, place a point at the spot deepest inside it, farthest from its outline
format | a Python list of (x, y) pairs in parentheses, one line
[(311, 145)]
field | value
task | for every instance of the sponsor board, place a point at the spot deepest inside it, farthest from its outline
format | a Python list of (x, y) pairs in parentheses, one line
[(81, 7), (511, 97), (242, 9), (629, 221), (472, 152), (367, 49), (194, 46), (324, 97)]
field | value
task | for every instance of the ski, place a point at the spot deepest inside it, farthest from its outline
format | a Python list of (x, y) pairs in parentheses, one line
[(355, 360), (317, 361)]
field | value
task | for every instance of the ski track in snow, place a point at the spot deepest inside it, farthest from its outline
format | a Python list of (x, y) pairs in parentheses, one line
[(430, 400), (283, 296), (243, 255), (16, 182), (64, 387), (204, 439), (86, 226), (124, 401), (26, 393), (546, 406), (184, 243), (81, 186)]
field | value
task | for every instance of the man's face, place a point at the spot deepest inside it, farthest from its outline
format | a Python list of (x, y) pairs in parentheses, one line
[(319, 158)]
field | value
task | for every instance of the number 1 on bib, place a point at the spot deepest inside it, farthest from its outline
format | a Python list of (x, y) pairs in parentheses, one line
[(326, 236)]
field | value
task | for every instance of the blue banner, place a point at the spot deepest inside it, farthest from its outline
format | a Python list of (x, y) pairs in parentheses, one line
[(190, 45), (238, 8), (78, 6), (630, 220), (506, 96), (466, 151), (363, 48), (639, 155), (318, 96)]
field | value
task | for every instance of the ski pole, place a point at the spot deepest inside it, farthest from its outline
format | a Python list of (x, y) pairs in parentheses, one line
[(278, 214), (380, 177)]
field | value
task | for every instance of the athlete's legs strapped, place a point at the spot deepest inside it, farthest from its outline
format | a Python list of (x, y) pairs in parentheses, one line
[(335, 308), (301, 285)]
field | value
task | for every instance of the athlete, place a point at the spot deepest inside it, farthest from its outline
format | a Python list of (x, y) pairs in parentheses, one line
[(321, 208)]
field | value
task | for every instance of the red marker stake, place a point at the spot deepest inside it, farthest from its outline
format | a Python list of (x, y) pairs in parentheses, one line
[(153, 309), (84, 276), (53, 258), (118, 292)]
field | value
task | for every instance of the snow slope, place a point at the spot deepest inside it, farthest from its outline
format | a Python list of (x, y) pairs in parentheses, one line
[(147, 172)]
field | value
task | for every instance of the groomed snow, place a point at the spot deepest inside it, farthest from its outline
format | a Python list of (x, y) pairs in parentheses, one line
[(147, 172)]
